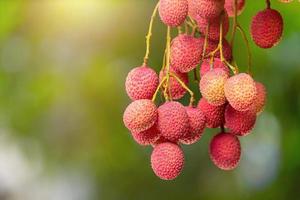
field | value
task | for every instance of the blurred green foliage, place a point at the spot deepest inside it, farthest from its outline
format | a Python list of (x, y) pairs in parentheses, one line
[(63, 65)]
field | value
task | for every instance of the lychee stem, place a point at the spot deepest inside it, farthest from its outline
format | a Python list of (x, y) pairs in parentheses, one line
[(168, 47), (192, 99), (195, 75), (234, 26), (268, 2), (158, 88), (148, 37), (248, 47)]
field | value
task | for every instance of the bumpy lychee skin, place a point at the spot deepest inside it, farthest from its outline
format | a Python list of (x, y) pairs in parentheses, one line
[(140, 115), (186, 52), (173, 12), (212, 86), (239, 123), (260, 99), (147, 137), (214, 26), (225, 151), (212, 45), (229, 7), (173, 121), (217, 64), (167, 160), (214, 115), (197, 124), (207, 9), (267, 28), (141, 83), (240, 91), (176, 90)]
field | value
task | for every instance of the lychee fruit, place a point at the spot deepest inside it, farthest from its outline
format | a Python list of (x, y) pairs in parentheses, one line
[(207, 9), (196, 124), (205, 66), (167, 160), (267, 28), (186, 52), (239, 123), (260, 99), (214, 115), (229, 7), (140, 115), (212, 86), (160, 140), (240, 91), (214, 26), (141, 83), (147, 137), (173, 121), (225, 151), (212, 45), (173, 12), (176, 90)]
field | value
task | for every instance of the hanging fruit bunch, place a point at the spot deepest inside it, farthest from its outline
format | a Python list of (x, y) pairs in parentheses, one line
[(231, 100)]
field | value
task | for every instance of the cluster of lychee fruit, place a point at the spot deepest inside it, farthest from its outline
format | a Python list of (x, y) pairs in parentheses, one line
[(230, 100)]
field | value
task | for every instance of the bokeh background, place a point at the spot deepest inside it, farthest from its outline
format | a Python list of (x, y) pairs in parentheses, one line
[(63, 65)]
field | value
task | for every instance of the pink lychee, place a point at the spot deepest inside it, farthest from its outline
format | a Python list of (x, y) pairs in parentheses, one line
[(267, 28), (173, 12), (140, 115), (196, 123), (214, 115), (167, 160), (176, 90), (141, 83), (208, 9), (225, 151), (147, 137), (186, 52), (205, 66), (214, 26), (229, 7), (239, 123), (240, 91), (212, 86), (173, 121)]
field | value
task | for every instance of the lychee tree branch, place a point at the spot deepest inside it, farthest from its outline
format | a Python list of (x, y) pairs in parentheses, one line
[(148, 37)]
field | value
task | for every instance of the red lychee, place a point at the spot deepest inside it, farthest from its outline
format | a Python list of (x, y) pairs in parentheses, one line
[(212, 45), (260, 99), (147, 137), (229, 7), (173, 12), (208, 9), (186, 53), (225, 151), (240, 91), (176, 90), (140, 115), (214, 26), (212, 86), (267, 28), (173, 121), (141, 83), (239, 123), (167, 160), (205, 66), (197, 125), (214, 115)]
